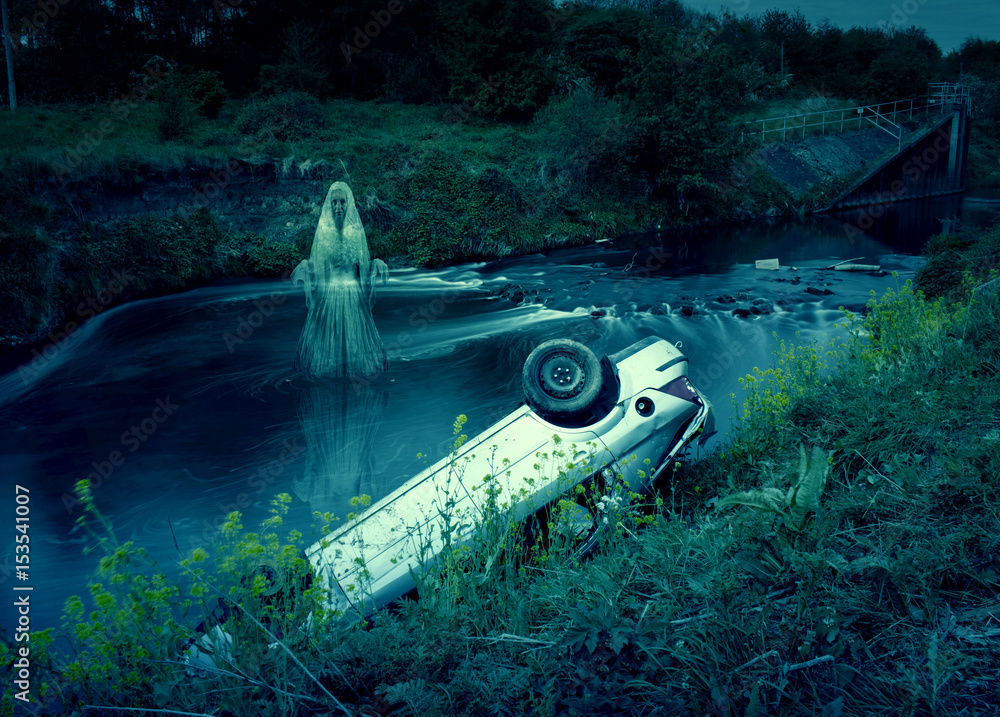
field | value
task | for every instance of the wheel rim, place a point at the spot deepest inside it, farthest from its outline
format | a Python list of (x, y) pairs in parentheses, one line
[(562, 376)]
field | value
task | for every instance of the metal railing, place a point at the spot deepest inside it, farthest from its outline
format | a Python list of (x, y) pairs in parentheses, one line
[(886, 115)]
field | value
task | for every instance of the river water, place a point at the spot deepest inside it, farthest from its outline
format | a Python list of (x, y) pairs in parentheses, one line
[(183, 408)]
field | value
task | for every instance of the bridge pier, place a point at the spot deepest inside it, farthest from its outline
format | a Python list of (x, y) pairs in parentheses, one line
[(931, 165)]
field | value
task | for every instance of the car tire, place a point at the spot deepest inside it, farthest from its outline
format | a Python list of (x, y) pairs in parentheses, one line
[(562, 379)]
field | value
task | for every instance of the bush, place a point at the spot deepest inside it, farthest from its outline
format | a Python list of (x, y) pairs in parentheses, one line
[(584, 139), (602, 46), (950, 257), (276, 79), (455, 215), (131, 650), (183, 96), (30, 286), (265, 257), (176, 112), (497, 54), (291, 116), (205, 90)]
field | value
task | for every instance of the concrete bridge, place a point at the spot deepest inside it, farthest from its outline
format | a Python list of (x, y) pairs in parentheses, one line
[(928, 162), (931, 164)]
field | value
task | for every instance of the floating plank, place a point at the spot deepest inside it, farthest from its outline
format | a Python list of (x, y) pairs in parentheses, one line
[(856, 267)]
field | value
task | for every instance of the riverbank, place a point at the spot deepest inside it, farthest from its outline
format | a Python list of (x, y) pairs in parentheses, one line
[(96, 212), (867, 589)]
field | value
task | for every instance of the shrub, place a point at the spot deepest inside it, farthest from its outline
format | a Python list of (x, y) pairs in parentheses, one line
[(132, 649), (584, 138), (266, 257), (456, 215), (288, 117), (183, 96), (205, 89), (497, 55), (176, 113)]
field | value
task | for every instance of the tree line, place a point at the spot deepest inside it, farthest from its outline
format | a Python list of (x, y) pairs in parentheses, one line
[(667, 79), (433, 50)]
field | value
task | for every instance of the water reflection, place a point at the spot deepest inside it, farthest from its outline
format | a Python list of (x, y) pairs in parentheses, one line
[(340, 421)]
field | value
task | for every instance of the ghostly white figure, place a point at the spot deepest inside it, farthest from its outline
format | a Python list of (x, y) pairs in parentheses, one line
[(339, 337)]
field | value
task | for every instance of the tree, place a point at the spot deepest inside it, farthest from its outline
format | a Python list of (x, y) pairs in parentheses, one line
[(497, 53), (9, 56)]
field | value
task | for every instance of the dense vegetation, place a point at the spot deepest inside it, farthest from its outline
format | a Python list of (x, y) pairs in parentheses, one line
[(840, 556), (470, 128)]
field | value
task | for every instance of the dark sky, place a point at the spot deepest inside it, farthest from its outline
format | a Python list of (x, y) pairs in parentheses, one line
[(948, 22)]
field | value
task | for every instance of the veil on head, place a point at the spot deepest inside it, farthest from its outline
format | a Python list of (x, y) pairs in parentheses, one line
[(350, 246), (334, 250)]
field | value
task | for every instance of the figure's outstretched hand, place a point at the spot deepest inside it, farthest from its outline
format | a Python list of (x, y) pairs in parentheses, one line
[(305, 272), (377, 270)]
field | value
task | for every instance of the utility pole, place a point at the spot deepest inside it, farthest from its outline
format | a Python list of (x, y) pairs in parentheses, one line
[(782, 58), (9, 55)]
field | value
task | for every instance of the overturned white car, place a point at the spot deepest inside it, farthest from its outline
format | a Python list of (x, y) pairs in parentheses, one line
[(618, 420)]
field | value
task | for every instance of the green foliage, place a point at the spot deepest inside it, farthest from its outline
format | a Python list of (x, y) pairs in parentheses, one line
[(287, 117), (797, 374), (800, 503), (136, 647), (183, 96), (161, 253), (265, 257), (685, 100), (29, 262), (602, 45), (303, 65), (497, 54), (951, 257), (586, 139), (177, 113), (126, 649), (457, 216)]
